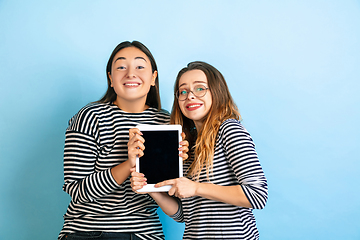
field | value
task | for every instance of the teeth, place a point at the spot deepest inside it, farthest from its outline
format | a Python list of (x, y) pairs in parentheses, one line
[(131, 84), (195, 105)]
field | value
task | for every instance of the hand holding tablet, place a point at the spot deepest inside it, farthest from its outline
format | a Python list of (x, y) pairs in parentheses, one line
[(161, 160)]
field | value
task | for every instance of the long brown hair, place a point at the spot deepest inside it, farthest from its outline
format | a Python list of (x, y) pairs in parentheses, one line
[(153, 96), (223, 107)]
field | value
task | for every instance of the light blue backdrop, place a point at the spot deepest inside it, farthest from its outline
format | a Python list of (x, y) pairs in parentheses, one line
[(293, 67)]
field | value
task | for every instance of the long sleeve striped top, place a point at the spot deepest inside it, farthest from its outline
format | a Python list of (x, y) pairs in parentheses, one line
[(235, 163), (96, 140)]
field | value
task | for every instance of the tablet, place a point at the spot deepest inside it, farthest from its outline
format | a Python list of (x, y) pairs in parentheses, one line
[(161, 160)]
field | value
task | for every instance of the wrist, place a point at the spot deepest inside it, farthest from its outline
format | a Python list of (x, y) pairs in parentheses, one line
[(121, 172), (197, 188), (130, 163)]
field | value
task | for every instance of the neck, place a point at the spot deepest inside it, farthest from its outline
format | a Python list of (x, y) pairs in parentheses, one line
[(136, 106), (198, 125)]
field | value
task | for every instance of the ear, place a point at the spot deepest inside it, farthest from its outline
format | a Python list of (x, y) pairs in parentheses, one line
[(154, 77), (111, 85)]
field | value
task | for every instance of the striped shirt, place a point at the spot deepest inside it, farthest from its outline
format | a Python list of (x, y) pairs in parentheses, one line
[(235, 163), (96, 140)]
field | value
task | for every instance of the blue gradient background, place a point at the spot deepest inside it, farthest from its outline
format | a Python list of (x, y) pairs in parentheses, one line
[(292, 68)]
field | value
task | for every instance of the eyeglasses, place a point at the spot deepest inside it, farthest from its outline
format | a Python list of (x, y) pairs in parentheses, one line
[(198, 90)]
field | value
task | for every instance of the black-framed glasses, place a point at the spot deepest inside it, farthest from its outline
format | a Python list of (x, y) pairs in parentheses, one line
[(198, 90)]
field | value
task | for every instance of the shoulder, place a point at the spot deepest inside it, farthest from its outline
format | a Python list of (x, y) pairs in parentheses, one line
[(157, 112), (164, 113), (94, 109), (230, 124), (88, 115), (162, 116), (232, 128)]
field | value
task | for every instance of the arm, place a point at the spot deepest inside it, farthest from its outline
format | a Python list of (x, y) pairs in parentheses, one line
[(251, 192), (168, 204), (82, 183), (241, 154), (135, 148), (228, 194), (82, 148), (184, 188)]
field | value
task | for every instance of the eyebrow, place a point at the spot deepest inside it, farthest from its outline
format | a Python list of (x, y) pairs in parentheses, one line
[(194, 82), (123, 58)]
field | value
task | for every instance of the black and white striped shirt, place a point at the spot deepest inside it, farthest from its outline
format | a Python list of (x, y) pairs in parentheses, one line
[(235, 163), (96, 140)]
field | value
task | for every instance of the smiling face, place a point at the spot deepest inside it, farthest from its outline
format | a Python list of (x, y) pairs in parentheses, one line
[(193, 107), (131, 77)]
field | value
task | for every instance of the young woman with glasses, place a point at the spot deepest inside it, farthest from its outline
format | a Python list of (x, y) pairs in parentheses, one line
[(224, 180)]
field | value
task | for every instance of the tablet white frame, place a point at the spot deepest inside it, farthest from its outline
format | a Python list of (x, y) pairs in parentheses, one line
[(145, 127)]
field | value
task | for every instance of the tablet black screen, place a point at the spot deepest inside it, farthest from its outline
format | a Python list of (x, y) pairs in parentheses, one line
[(161, 156)]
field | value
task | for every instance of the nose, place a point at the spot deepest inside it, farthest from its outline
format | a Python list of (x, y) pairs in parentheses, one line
[(192, 96), (131, 74)]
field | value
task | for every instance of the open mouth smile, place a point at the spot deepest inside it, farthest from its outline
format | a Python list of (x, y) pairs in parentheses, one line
[(132, 84), (193, 106)]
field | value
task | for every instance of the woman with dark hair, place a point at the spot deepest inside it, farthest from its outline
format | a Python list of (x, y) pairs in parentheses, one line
[(153, 96), (224, 179), (96, 163)]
